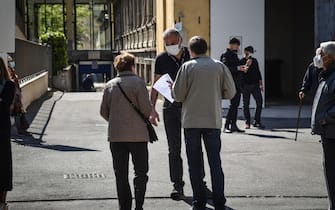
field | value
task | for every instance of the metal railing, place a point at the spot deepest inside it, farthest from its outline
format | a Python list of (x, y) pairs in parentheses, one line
[(32, 77)]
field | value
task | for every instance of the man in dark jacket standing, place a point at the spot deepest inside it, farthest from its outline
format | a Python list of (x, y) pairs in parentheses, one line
[(323, 114), (252, 85), (231, 60)]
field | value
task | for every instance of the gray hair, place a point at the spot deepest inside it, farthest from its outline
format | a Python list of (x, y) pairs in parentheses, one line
[(171, 31), (328, 48)]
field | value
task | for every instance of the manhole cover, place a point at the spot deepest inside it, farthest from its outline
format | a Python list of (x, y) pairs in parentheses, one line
[(84, 176)]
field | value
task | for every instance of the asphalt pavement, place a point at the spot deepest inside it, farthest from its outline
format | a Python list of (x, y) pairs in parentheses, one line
[(66, 163)]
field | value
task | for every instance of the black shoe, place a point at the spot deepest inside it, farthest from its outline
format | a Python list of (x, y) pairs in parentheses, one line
[(209, 193), (236, 129), (177, 195), (24, 133), (258, 125), (197, 208), (227, 130)]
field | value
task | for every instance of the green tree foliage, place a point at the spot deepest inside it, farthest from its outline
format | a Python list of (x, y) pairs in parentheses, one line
[(59, 50), (51, 18)]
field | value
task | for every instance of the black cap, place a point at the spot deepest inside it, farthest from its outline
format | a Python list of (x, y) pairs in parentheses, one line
[(249, 49), (235, 41)]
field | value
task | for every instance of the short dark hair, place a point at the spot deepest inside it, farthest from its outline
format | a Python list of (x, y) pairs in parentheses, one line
[(124, 62), (235, 41), (198, 45), (249, 49)]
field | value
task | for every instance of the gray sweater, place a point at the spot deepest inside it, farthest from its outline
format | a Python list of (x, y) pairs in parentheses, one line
[(201, 84)]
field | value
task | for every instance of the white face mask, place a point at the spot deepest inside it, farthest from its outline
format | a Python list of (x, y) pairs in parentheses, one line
[(318, 62), (173, 49), (12, 64)]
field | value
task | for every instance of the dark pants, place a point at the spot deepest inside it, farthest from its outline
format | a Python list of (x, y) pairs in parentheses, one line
[(139, 154), (256, 92), (233, 109), (329, 168), (212, 141), (172, 123)]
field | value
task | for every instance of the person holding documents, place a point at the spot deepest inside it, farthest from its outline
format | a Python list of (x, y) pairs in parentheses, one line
[(169, 63), (200, 85)]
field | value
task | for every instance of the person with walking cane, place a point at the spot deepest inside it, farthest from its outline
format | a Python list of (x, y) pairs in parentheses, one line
[(309, 86), (323, 114)]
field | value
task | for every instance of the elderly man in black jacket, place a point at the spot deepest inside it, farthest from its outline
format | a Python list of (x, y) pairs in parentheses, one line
[(310, 81), (323, 114)]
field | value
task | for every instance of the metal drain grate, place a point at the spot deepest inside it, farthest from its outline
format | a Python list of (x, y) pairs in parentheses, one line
[(84, 176)]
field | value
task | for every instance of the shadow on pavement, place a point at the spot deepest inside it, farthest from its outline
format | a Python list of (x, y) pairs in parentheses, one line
[(285, 123), (38, 115), (210, 202), (267, 136), (32, 142)]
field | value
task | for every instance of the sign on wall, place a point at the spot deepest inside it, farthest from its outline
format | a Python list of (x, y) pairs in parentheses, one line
[(7, 23)]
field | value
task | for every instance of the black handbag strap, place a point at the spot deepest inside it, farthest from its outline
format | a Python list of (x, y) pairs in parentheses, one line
[(133, 105)]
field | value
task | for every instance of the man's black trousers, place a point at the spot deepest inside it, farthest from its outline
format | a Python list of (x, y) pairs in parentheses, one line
[(255, 91)]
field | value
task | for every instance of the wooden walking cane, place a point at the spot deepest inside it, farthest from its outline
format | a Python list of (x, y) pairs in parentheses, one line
[(298, 121)]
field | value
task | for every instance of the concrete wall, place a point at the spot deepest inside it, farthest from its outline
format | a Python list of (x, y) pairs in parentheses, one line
[(34, 89), (31, 57), (241, 18)]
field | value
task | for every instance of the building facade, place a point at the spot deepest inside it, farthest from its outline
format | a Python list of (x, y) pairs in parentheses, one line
[(284, 33), (135, 32)]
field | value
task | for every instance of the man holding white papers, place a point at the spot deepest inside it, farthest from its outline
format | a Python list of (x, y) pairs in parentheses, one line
[(201, 84), (169, 63)]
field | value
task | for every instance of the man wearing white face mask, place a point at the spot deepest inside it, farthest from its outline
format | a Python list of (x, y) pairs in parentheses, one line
[(323, 114), (169, 62), (311, 79)]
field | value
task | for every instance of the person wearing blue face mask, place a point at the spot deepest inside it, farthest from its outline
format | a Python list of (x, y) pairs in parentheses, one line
[(7, 91), (18, 111)]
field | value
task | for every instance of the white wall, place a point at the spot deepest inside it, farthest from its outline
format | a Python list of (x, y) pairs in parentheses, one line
[(238, 18), (7, 23)]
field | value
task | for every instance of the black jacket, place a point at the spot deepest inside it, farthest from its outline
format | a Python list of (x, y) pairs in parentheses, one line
[(253, 75), (324, 105), (231, 60), (310, 82), (6, 101)]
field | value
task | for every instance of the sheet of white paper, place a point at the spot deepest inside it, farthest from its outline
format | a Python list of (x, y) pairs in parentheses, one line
[(162, 86)]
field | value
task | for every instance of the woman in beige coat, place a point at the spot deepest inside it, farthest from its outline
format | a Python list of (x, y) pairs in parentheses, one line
[(127, 132)]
